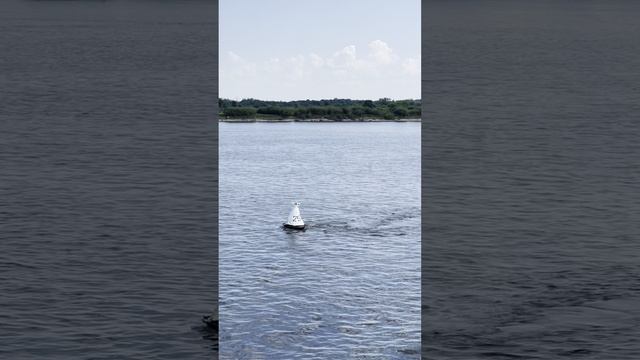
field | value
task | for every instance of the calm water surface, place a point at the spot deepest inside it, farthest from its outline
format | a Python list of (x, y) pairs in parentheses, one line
[(349, 286), (107, 179), (531, 169)]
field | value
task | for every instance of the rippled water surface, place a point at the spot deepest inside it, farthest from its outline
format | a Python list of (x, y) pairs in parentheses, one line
[(531, 169), (349, 286), (107, 179)]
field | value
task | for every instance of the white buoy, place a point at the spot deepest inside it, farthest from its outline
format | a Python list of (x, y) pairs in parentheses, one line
[(295, 220)]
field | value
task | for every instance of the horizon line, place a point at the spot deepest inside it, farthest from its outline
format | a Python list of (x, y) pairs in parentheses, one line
[(352, 99)]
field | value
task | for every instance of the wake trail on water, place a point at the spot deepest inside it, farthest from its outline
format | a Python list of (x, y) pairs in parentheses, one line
[(394, 223)]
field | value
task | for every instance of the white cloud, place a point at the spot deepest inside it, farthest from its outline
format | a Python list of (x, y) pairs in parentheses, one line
[(234, 57), (296, 67), (240, 67), (343, 73), (381, 52), (316, 60), (273, 65), (344, 59), (411, 66)]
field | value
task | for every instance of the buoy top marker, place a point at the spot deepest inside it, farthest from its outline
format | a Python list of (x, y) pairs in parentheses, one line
[(295, 219)]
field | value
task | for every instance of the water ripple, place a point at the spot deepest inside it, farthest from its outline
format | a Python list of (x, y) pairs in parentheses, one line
[(349, 286)]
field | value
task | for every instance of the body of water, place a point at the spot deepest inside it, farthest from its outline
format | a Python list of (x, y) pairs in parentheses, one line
[(349, 286), (107, 179), (531, 163)]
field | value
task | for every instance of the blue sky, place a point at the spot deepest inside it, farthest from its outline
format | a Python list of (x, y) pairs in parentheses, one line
[(313, 49)]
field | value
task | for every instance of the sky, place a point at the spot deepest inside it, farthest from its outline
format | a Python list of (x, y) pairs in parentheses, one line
[(319, 49)]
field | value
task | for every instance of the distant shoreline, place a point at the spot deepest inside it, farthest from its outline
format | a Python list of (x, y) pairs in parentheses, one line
[(234, 120), (324, 110)]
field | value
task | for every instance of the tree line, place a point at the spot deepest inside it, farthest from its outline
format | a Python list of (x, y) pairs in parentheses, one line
[(333, 109)]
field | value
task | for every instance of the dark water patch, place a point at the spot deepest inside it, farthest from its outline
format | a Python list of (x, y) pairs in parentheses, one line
[(107, 181), (10, 264), (501, 355), (576, 352), (530, 175)]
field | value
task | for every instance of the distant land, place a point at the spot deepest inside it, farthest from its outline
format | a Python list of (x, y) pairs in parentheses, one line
[(330, 110)]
